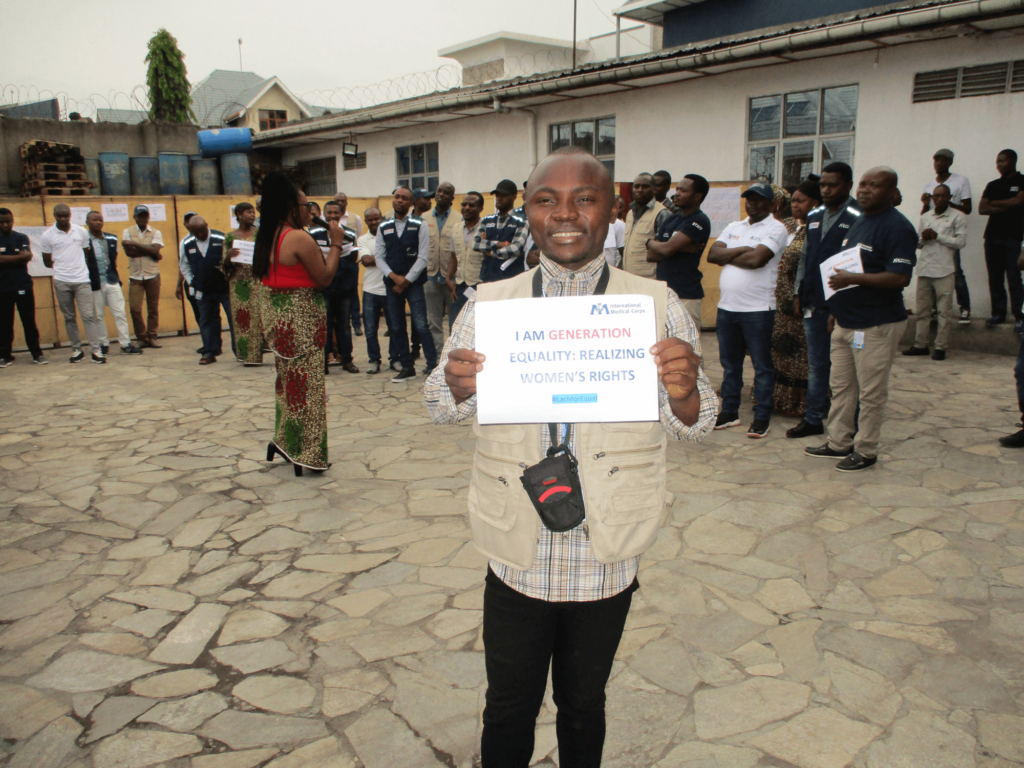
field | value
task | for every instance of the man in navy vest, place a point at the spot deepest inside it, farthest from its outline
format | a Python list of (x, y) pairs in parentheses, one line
[(103, 249), (502, 237), (402, 246), (202, 254), (339, 294), (827, 227)]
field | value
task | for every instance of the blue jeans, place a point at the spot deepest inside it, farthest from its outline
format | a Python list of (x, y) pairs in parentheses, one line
[(339, 305), (418, 309), (819, 365), (1001, 262), (1018, 373), (740, 334), (209, 322), (963, 295), (372, 307), (355, 311)]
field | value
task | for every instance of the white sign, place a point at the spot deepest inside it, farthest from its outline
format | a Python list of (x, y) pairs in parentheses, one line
[(567, 360), (231, 215), (248, 250), (848, 260), (157, 211), (79, 214), (36, 268), (722, 206), (114, 212)]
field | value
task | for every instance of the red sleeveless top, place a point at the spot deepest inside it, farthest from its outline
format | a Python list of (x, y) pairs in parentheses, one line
[(287, 275)]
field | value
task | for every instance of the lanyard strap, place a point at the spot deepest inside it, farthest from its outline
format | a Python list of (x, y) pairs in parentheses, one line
[(538, 292)]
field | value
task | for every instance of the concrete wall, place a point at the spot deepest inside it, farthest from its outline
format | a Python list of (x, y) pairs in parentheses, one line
[(91, 138), (699, 126)]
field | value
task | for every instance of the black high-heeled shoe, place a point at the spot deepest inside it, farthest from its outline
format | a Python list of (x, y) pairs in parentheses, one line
[(272, 450)]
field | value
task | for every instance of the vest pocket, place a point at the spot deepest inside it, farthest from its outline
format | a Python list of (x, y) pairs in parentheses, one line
[(495, 491)]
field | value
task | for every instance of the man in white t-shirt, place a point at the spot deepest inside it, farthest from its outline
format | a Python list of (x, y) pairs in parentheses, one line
[(352, 221), (748, 252), (374, 293), (615, 241), (63, 247), (960, 200)]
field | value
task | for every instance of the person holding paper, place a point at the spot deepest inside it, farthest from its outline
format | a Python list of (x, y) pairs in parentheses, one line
[(202, 258), (243, 291), (103, 250), (560, 600), (142, 244), (748, 252), (869, 322), (943, 233)]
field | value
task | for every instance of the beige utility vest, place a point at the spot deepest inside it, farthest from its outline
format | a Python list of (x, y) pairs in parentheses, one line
[(440, 241), (470, 261), (622, 466), (634, 256)]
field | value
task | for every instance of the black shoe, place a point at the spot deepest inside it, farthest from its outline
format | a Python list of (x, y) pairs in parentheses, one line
[(6, 361), (405, 374), (201, 350), (374, 368), (758, 429), (98, 359), (1015, 440), (273, 450), (855, 463), (939, 354), (726, 420), (350, 367), (825, 452), (992, 322), (77, 356), (38, 360), (915, 351), (130, 349), (358, 331), (965, 316), (104, 348), (1018, 327), (805, 429)]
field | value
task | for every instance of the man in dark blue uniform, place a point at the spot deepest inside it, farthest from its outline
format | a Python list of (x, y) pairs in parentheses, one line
[(502, 237)]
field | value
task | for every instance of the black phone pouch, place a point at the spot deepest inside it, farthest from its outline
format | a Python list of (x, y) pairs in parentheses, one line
[(553, 486)]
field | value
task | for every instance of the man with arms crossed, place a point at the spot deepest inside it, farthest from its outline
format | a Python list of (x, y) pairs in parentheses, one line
[(1003, 202), (561, 599), (869, 321)]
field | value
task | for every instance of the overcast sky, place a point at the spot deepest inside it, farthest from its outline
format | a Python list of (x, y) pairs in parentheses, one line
[(99, 47)]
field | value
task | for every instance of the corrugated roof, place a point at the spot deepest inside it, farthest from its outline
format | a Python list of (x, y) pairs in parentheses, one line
[(220, 93), (130, 116)]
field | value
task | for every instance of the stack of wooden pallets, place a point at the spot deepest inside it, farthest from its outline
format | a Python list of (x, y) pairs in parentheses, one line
[(52, 168)]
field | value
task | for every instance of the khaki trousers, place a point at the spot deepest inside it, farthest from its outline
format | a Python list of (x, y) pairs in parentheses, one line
[(693, 307), (145, 328), (861, 376), (934, 292)]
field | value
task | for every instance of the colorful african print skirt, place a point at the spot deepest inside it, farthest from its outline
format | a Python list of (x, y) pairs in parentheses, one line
[(246, 314), (295, 324)]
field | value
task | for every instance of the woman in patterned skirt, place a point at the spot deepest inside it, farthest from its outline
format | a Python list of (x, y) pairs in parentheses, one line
[(244, 291), (789, 344), (293, 271)]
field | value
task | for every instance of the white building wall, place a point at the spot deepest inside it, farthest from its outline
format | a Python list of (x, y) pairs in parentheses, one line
[(699, 126)]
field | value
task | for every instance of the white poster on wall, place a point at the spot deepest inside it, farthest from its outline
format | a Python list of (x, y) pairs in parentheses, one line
[(231, 214), (157, 211), (722, 206), (79, 214), (36, 268), (114, 212)]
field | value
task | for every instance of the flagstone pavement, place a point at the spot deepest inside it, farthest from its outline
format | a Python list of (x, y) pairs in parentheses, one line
[(169, 598)]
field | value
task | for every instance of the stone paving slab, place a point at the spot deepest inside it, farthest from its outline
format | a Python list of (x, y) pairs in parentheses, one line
[(169, 598)]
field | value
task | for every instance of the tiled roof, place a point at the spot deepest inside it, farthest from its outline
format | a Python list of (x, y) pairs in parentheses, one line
[(221, 93), (130, 116)]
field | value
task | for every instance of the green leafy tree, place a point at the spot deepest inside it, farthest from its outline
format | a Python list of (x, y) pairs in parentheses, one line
[(169, 91)]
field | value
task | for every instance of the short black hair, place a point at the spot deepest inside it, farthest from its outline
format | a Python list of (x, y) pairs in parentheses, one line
[(188, 218), (5, 212), (402, 186), (572, 150), (664, 174), (239, 208), (700, 184), (473, 192), (810, 188), (845, 172), (90, 213), (329, 203), (944, 186), (1010, 154)]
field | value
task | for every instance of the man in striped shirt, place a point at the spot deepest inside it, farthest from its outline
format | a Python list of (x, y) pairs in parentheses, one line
[(564, 606)]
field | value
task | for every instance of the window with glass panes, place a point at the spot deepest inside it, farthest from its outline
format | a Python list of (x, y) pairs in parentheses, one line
[(794, 134), (596, 135), (417, 166), (272, 118)]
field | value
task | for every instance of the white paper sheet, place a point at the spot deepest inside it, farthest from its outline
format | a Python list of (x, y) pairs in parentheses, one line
[(848, 260), (157, 211), (114, 212), (36, 267), (722, 206), (248, 250), (79, 214), (571, 359), (231, 215)]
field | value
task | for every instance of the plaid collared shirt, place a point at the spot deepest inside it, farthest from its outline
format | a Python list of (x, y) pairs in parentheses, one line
[(564, 567), (516, 246)]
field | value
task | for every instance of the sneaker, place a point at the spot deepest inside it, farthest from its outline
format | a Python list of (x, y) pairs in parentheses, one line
[(939, 354), (374, 368), (40, 360), (758, 429), (965, 316), (805, 429), (1015, 440), (826, 452), (405, 374), (992, 322), (98, 359), (726, 420), (129, 349), (77, 356), (855, 463), (1018, 327), (6, 361), (358, 331), (915, 351), (104, 348), (394, 365)]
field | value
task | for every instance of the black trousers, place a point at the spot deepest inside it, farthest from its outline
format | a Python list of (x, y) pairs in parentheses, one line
[(522, 636), (25, 302), (1001, 261), (339, 318)]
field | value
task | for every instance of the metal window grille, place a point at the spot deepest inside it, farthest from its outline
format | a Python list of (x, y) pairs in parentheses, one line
[(964, 82), (935, 86), (356, 163), (321, 176)]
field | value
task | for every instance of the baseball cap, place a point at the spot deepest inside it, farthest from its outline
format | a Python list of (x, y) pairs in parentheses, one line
[(140, 209), (506, 187), (419, 193), (947, 153), (760, 188)]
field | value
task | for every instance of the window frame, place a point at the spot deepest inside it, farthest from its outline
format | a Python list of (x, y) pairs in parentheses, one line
[(431, 179), (270, 119), (607, 159), (819, 137), (323, 185)]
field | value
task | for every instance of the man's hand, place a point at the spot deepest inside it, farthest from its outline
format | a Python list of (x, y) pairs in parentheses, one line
[(677, 367), (178, 292), (929, 234), (841, 279), (452, 288), (460, 372), (926, 199), (831, 324), (797, 309), (401, 284), (129, 248)]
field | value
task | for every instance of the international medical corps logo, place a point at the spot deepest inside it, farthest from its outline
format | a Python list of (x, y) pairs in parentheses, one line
[(599, 309)]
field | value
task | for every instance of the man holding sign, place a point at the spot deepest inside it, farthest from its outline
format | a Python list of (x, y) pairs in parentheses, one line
[(869, 322), (558, 594)]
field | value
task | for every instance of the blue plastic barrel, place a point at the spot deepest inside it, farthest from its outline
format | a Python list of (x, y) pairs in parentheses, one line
[(145, 174), (205, 175), (114, 174), (92, 173), (234, 170), (174, 173), (224, 141)]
